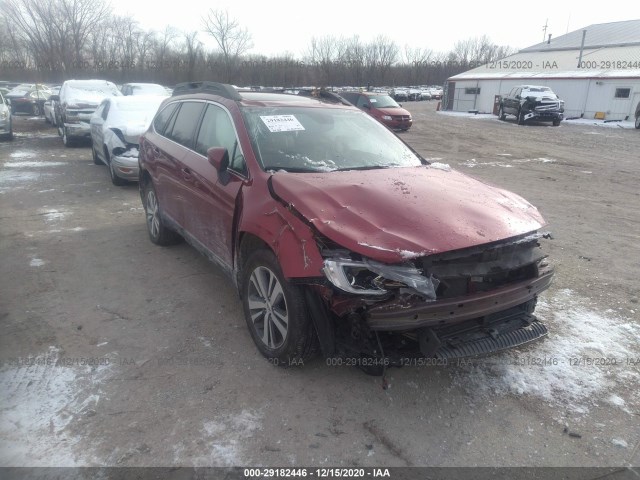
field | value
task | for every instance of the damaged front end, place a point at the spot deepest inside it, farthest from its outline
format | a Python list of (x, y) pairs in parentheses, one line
[(545, 108), (123, 152), (448, 305)]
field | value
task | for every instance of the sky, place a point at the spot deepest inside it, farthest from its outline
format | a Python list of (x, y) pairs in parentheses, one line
[(288, 26)]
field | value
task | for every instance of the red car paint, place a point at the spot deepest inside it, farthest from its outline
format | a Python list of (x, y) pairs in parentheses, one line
[(394, 214), (389, 215)]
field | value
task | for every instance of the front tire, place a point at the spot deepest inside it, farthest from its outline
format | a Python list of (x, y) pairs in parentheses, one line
[(66, 140), (556, 123), (501, 114), (520, 117), (276, 312), (96, 159), (638, 122), (158, 232), (115, 179)]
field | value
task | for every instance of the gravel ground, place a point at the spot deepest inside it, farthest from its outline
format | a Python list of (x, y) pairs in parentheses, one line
[(117, 352)]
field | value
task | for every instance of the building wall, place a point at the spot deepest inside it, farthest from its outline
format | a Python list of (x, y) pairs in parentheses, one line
[(582, 96)]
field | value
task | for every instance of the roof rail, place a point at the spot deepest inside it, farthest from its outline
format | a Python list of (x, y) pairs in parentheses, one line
[(325, 94), (222, 89)]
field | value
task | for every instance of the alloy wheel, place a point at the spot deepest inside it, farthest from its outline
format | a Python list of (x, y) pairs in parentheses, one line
[(268, 307)]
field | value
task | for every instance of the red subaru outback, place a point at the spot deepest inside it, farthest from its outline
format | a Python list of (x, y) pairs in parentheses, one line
[(337, 234)]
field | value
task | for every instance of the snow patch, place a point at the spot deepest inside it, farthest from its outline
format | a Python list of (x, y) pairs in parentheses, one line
[(474, 163), (36, 262), (440, 166), (225, 437), (583, 359), (601, 123), (618, 442), (53, 215), (33, 164), (22, 154), (41, 397)]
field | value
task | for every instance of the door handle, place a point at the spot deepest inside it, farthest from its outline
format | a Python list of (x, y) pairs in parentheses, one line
[(186, 173)]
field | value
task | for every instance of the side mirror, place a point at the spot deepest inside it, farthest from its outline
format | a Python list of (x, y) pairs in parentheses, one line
[(367, 106), (219, 158), (399, 104)]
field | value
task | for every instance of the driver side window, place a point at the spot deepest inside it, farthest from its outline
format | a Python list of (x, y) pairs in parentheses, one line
[(217, 130)]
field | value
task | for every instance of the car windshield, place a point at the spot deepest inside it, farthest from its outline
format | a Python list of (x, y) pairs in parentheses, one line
[(383, 101), (538, 89), (303, 139), (148, 90), (141, 111)]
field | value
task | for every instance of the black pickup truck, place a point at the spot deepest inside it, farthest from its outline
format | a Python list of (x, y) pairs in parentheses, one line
[(532, 102)]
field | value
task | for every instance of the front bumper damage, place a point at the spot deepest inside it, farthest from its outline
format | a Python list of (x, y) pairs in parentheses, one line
[(543, 109), (485, 301)]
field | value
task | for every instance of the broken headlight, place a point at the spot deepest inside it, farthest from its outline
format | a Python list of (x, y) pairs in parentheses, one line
[(369, 277)]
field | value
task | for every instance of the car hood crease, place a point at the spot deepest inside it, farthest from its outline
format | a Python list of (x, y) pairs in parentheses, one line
[(396, 214)]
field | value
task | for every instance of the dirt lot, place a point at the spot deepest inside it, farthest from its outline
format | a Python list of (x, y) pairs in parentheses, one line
[(173, 378)]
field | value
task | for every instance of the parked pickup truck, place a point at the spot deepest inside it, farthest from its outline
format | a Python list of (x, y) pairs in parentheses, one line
[(532, 102)]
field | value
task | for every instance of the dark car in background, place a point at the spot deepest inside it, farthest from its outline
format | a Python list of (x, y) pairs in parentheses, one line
[(28, 98), (532, 102), (381, 107), (338, 235), (638, 115)]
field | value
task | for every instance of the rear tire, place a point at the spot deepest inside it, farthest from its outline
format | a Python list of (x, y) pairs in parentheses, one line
[(501, 114), (276, 312), (158, 232), (638, 122)]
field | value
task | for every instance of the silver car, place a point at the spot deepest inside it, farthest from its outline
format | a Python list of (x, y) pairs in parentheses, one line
[(116, 126), (6, 128)]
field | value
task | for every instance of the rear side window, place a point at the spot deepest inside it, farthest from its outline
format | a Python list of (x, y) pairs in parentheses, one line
[(161, 120), (185, 124)]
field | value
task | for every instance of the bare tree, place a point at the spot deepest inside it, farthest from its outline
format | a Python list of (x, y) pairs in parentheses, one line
[(193, 48), (233, 40), (381, 55), (55, 31), (326, 53)]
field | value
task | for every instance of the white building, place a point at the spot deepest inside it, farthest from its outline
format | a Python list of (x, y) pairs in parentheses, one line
[(595, 70)]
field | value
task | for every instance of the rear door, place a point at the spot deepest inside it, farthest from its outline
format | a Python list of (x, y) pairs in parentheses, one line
[(173, 177)]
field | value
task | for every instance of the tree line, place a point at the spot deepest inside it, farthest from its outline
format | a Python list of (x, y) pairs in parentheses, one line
[(53, 40)]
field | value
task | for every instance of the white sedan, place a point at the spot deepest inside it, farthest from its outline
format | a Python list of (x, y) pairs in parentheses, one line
[(115, 129)]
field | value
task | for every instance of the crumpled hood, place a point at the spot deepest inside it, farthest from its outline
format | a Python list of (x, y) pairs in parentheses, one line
[(395, 214)]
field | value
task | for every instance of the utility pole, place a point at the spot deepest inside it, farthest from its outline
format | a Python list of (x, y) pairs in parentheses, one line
[(544, 30)]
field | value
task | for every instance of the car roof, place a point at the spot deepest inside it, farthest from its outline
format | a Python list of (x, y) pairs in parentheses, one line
[(311, 98)]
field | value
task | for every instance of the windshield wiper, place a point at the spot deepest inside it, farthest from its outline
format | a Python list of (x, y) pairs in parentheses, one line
[(290, 170), (365, 167)]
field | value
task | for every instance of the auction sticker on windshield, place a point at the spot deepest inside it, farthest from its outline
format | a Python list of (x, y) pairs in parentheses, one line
[(281, 123)]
